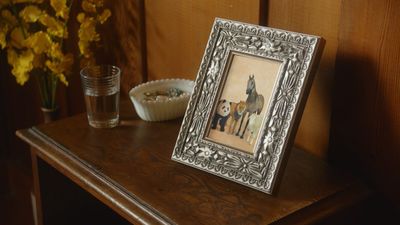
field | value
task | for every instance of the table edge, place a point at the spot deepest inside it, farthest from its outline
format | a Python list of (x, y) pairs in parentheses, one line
[(90, 179)]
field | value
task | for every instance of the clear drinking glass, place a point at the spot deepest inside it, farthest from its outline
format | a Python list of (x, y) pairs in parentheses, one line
[(101, 90)]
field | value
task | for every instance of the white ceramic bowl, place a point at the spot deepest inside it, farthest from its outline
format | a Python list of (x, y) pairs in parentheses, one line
[(160, 110)]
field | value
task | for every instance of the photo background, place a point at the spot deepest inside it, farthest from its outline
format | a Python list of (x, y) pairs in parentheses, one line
[(265, 73)]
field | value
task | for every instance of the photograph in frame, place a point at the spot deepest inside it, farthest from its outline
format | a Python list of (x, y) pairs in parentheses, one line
[(242, 105), (247, 102)]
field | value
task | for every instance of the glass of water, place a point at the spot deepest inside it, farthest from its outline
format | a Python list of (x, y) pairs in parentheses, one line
[(101, 90)]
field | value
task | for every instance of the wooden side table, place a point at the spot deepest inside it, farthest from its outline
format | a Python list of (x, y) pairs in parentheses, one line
[(124, 175)]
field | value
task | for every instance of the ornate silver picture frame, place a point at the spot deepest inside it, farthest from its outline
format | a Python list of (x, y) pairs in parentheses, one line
[(247, 101)]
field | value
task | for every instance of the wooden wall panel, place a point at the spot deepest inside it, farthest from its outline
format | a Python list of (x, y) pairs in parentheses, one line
[(318, 17), (124, 43), (178, 30), (366, 113)]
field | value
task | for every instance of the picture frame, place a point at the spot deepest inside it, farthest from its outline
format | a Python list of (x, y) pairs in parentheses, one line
[(251, 79)]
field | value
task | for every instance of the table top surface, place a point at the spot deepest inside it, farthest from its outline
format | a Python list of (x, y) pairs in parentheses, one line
[(129, 169)]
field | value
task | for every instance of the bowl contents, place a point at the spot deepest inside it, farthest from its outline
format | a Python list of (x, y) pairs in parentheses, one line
[(163, 95)]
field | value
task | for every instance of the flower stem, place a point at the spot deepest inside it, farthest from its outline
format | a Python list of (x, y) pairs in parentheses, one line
[(53, 86), (47, 83), (41, 78)]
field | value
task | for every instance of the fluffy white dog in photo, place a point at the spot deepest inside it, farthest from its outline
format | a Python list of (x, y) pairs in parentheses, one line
[(253, 128)]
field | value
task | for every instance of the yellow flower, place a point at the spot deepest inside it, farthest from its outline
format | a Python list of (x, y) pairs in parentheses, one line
[(8, 17), (4, 28), (88, 6), (39, 42), (22, 64), (53, 66), (62, 78), (103, 17), (3, 32), (60, 7), (87, 33), (30, 14), (42, 49), (84, 48), (17, 38), (3, 42), (55, 51), (54, 26), (87, 30), (98, 3), (26, 1), (81, 17), (60, 65)]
